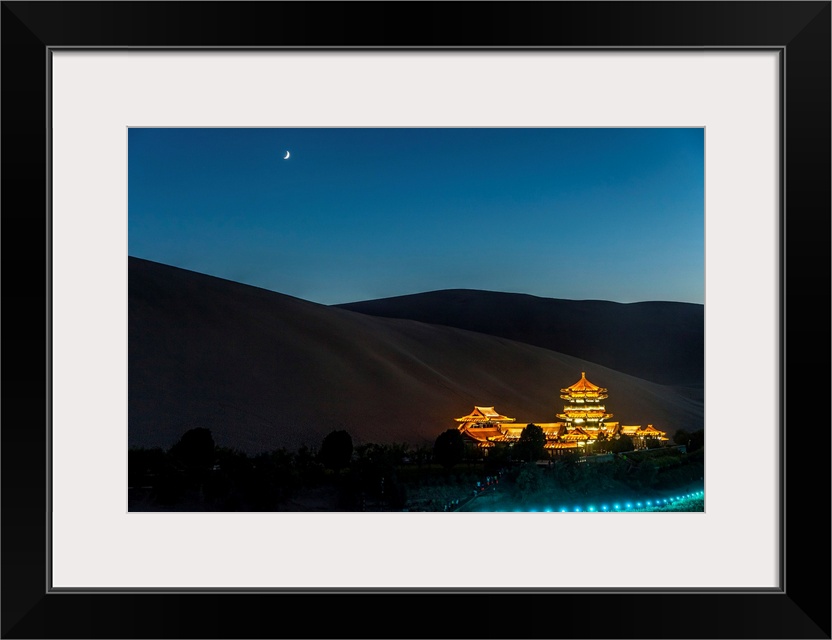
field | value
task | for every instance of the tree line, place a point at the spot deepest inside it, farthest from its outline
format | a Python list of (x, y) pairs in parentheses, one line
[(197, 474)]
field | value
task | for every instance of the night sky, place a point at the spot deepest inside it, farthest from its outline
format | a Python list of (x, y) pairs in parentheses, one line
[(357, 214)]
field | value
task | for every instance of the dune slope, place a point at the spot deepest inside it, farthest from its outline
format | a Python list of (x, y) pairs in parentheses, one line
[(659, 341), (264, 370)]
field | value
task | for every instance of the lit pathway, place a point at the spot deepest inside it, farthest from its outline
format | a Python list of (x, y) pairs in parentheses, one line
[(676, 503)]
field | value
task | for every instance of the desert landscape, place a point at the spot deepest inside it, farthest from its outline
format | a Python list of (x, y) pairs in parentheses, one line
[(264, 370), (412, 318)]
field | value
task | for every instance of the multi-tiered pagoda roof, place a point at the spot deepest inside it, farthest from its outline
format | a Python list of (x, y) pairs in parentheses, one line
[(582, 422), (584, 403), (481, 415), (583, 388)]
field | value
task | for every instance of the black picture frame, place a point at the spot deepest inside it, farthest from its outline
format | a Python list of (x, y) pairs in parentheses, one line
[(800, 31)]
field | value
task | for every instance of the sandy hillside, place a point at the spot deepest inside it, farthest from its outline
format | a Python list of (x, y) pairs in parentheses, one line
[(662, 342), (264, 370)]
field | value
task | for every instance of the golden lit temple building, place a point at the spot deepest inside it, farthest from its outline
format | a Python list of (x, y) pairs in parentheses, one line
[(584, 409), (584, 420)]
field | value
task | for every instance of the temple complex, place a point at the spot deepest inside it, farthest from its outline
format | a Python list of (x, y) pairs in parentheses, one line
[(583, 421)]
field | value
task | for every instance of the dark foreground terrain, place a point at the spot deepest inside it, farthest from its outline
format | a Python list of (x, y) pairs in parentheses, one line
[(398, 478)]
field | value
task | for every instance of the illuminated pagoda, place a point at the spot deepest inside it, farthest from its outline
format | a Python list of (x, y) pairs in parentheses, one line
[(487, 426), (484, 417), (584, 421), (584, 411), (639, 433)]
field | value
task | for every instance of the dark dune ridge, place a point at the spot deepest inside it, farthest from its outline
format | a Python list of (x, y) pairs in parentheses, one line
[(662, 342), (264, 370)]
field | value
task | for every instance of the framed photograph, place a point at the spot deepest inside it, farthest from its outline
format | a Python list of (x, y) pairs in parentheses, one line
[(266, 419), (179, 175)]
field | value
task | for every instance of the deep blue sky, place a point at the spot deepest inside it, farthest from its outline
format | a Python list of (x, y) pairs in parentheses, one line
[(356, 214)]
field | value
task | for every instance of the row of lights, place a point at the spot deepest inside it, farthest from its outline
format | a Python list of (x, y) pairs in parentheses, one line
[(624, 506)]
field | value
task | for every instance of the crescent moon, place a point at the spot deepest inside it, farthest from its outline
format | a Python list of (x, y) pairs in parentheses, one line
[(286, 157)]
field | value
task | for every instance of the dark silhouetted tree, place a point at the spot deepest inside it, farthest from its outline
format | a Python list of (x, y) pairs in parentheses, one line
[(497, 458), (143, 465), (157, 470), (530, 445), (395, 493), (449, 448), (195, 450), (529, 480), (681, 437), (228, 485), (336, 450), (193, 456), (697, 440), (307, 464), (622, 444), (601, 443), (421, 455), (274, 478)]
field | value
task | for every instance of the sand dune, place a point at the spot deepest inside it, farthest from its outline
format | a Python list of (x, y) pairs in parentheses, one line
[(659, 341), (264, 370)]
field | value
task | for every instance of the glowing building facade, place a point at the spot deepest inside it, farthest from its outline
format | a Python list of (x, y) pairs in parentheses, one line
[(584, 408), (584, 420)]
